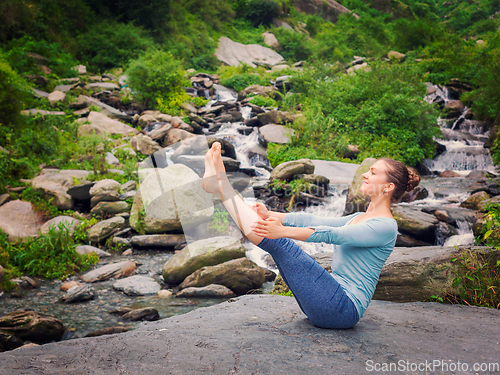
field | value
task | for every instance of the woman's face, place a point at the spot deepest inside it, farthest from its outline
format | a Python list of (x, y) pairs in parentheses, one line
[(375, 180)]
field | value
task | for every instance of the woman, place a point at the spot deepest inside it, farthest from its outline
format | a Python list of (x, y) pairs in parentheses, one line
[(363, 241)]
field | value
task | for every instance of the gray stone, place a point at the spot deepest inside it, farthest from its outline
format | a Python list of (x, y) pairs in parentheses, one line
[(55, 186), (79, 294), (81, 69), (105, 187), (63, 88), (198, 162), (270, 40), (240, 275), (360, 67), (137, 285), (473, 201), (81, 192), (4, 198), (57, 97), (102, 124), (32, 326), (115, 270), (198, 254), (129, 186), (168, 195), (68, 221), (105, 229), (209, 291), (144, 144), (287, 170), (160, 133), (87, 249), (275, 117), (18, 220), (278, 339), (396, 56), (39, 93), (233, 53), (103, 86), (106, 109), (109, 208), (176, 135), (412, 221), (337, 172), (35, 111), (112, 159), (146, 313), (329, 10), (276, 134), (264, 91), (158, 240)]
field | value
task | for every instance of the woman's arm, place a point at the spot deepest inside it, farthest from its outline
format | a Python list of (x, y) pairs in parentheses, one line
[(273, 228)]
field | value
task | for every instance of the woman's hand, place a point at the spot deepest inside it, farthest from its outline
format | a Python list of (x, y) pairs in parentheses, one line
[(261, 210), (270, 228)]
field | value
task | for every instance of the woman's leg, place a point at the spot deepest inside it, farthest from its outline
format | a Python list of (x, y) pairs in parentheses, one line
[(318, 294), (215, 181)]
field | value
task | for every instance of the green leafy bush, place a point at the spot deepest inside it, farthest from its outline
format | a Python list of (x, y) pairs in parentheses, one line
[(262, 101), (51, 255), (111, 44), (258, 12), (156, 75)]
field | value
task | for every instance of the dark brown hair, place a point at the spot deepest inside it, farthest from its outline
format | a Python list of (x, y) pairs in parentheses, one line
[(403, 178)]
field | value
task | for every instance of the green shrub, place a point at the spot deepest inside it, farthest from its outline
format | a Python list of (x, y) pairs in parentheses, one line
[(258, 12), (262, 101), (13, 91), (156, 75), (294, 46), (111, 44), (51, 255)]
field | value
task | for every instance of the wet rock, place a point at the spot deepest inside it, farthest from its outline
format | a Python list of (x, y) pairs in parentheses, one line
[(209, 291), (102, 124), (159, 134), (79, 294), (67, 221), (137, 285), (170, 194), (121, 242), (87, 249), (287, 170), (454, 108), (68, 285), (32, 326), (454, 215), (449, 173), (473, 201), (55, 186), (479, 175), (414, 222), (9, 342), (115, 270), (315, 179), (109, 208), (105, 229), (18, 220), (233, 53), (240, 275), (416, 194), (158, 240), (146, 313), (107, 331), (275, 134), (164, 293), (482, 205), (207, 252)]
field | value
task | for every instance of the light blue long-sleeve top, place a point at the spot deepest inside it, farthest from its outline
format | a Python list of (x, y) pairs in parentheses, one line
[(361, 250)]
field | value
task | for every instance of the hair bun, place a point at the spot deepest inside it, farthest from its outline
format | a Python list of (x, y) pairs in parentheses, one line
[(413, 180)]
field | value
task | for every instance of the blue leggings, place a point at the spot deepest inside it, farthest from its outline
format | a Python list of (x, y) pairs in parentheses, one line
[(318, 294)]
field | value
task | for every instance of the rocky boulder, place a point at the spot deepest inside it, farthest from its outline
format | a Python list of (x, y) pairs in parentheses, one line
[(355, 201), (106, 190), (240, 275), (105, 229), (275, 134), (55, 186), (144, 144), (275, 117), (474, 200), (87, 249), (32, 326), (176, 135), (109, 208), (67, 221), (168, 199), (329, 10), (270, 335), (79, 293), (412, 221), (106, 110), (287, 170), (18, 220), (102, 124), (57, 97), (270, 40), (161, 241), (209, 291), (138, 285), (115, 270), (264, 91), (396, 56), (233, 53), (207, 252)]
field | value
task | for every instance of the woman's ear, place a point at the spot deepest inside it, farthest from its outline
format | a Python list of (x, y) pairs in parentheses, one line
[(390, 188)]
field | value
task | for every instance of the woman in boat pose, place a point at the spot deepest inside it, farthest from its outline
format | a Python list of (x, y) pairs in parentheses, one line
[(364, 241)]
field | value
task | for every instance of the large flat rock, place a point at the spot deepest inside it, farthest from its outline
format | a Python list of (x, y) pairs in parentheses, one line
[(336, 171), (234, 53), (264, 334)]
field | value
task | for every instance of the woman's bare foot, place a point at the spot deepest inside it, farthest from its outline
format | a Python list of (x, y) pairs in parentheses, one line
[(210, 180), (217, 160)]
